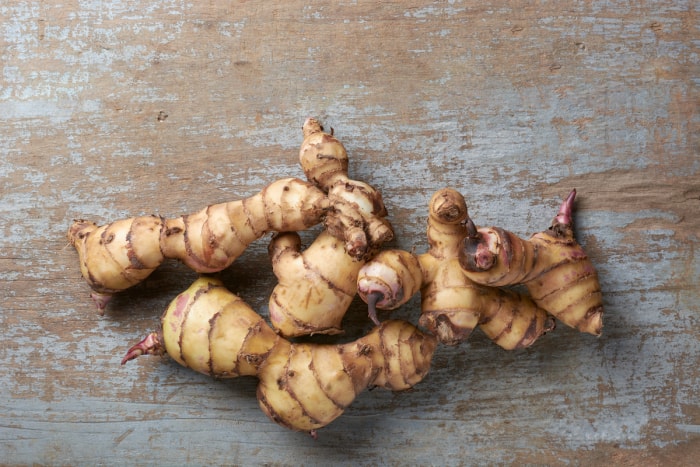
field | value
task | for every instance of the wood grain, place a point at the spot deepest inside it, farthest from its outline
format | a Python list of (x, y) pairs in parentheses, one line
[(111, 109)]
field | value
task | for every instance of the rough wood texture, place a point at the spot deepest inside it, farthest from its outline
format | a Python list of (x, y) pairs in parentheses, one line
[(110, 109)]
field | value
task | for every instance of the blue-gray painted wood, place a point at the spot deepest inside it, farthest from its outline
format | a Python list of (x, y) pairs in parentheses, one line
[(111, 109)]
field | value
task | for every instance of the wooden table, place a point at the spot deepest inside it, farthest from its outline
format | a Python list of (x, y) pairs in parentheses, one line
[(111, 109)]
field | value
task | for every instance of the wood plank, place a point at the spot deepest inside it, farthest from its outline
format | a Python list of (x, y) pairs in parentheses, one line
[(111, 109)]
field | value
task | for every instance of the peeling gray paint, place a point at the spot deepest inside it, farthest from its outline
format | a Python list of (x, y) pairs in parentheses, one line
[(510, 103)]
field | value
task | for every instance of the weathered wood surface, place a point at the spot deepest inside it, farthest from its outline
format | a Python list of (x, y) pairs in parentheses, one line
[(110, 109)]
